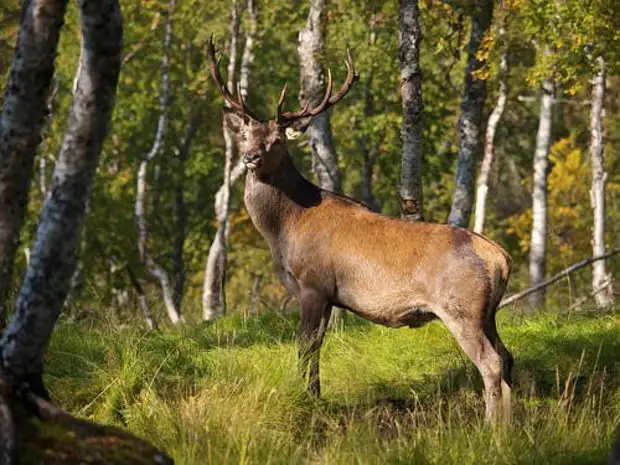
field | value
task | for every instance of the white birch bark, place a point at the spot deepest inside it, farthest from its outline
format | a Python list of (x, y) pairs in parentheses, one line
[(604, 298), (482, 183), (538, 245), (412, 207), (471, 121), (214, 296), (46, 281), (21, 122), (151, 265), (43, 156), (313, 82)]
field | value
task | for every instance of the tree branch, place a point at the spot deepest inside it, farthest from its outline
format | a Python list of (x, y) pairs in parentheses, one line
[(562, 274)]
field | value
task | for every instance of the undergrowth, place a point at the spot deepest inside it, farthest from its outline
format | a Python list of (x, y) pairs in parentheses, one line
[(228, 392)]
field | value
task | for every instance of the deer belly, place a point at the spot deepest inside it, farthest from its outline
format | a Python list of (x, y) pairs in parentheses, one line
[(393, 311)]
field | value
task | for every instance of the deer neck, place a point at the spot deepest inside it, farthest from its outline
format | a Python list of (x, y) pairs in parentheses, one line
[(275, 201)]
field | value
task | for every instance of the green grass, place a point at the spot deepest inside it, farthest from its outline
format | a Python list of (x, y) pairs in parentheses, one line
[(228, 392)]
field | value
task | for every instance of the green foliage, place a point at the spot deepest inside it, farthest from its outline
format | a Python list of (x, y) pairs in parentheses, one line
[(229, 392), (577, 33)]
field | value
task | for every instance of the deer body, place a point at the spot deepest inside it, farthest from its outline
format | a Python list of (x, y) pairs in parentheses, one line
[(367, 263), (331, 250)]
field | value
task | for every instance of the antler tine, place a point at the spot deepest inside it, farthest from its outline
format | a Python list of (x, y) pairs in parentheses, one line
[(348, 82), (323, 105), (221, 86), (281, 102), (328, 100), (240, 98)]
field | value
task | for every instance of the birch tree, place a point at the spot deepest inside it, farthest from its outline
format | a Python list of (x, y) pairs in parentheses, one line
[(412, 207), (310, 49), (214, 297), (21, 122), (601, 280), (471, 121), (46, 283), (324, 158), (155, 269), (538, 244), (482, 183)]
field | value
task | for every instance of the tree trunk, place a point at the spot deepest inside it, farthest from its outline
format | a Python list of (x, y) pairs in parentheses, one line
[(324, 157), (29, 425), (180, 230), (21, 122), (471, 121), (412, 207), (310, 49), (248, 51), (214, 296), (489, 139), (605, 297), (142, 302), (53, 258), (369, 154), (149, 262), (51, 104), (538, 244)]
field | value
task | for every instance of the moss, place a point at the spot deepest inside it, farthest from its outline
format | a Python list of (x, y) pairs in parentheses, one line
[(68, 440)]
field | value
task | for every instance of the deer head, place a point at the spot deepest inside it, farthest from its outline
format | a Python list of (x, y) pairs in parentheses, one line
[(263, 144)]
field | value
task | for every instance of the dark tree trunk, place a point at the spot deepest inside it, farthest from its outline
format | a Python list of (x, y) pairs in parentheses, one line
[(53, 259), (21, 122), (180, 230), (471, 120), (369, 153), (412, 207), (26, 418)]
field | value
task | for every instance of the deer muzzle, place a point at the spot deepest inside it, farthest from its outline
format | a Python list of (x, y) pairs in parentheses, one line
[(252, 160)]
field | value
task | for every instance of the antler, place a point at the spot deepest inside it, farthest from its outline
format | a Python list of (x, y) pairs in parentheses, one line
[(302, 117), (236, 103)]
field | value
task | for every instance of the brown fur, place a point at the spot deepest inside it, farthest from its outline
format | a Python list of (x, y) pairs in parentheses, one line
[(331, 250)]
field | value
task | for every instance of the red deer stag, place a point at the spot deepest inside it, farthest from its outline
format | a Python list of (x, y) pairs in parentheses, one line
[(331, 250)]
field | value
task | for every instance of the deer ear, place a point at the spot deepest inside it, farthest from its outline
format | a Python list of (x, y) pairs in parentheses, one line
[(298, 128), (233, 120), (292, 134)]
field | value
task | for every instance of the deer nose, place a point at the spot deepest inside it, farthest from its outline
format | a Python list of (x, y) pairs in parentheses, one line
[(251, 157)]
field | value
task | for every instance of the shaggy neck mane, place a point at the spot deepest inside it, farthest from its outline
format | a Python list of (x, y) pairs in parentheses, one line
[(279, 197)]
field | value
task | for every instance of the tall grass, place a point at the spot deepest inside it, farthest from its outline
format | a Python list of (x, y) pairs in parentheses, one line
[(228, 392)]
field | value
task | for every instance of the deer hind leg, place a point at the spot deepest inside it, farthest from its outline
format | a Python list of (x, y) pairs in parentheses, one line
[(490, 329), (470, 335), (315, 313)]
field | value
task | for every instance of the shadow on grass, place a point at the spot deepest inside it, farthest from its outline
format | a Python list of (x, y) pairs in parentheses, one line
[(549, 367), (263, 329)]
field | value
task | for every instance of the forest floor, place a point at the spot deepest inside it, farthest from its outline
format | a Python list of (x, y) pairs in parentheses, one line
[(228, 392)]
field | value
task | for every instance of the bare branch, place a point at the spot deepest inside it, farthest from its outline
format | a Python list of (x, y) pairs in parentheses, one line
[(562, 274)]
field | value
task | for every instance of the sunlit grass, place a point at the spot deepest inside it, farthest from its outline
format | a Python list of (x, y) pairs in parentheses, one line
[(228, 392)]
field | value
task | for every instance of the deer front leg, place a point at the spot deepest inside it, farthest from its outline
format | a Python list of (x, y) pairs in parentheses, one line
[(314, 319)]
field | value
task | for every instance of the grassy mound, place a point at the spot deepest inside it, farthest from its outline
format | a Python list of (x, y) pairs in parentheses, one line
[(228, 392)]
